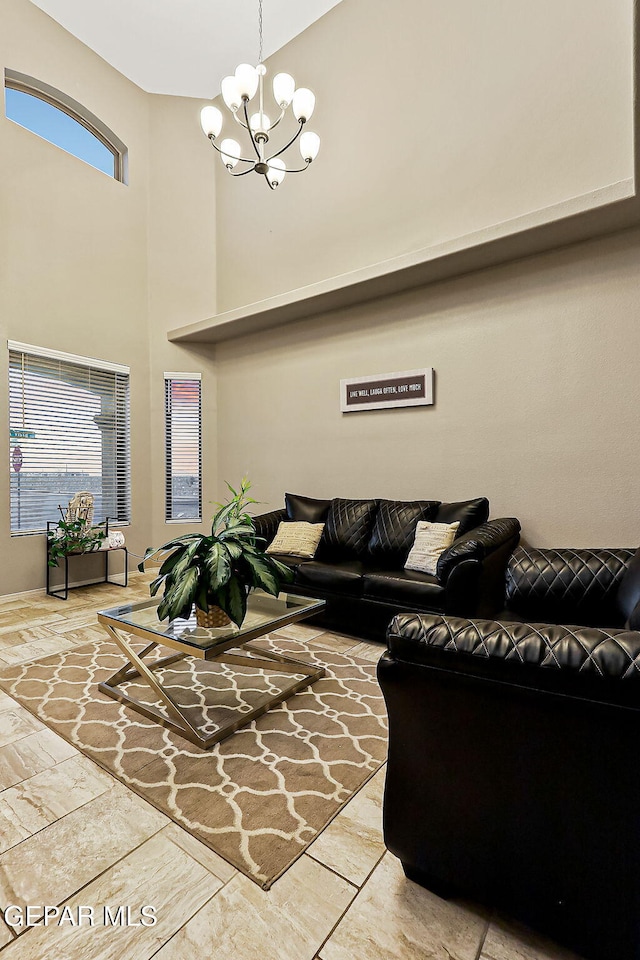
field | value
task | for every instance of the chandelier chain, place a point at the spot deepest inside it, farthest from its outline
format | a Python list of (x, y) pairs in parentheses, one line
[(260, 29)]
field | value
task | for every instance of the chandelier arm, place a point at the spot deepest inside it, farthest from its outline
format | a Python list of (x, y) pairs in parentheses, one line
[(249, 130), (240, 159), (271, 186), (287, 145), (243, 173), (239, 121), (276, 122), (300, 169)]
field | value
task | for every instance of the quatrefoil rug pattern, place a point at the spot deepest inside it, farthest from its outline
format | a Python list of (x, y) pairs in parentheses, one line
[(257, 798)]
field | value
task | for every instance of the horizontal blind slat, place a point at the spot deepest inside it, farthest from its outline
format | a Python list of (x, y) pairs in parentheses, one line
[(71, 432), (183, 444)]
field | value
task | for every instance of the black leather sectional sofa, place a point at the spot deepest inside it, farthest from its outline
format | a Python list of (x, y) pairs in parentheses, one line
[(358, 568), (512, 776)]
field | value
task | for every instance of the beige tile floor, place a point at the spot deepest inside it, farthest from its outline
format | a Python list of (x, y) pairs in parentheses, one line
[(73, 837)]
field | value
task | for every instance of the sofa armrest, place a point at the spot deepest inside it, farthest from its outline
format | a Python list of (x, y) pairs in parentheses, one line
[(266, 524), (596, 662), (479, 544)]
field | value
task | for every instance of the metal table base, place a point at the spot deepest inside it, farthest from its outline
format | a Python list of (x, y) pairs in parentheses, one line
[(176, 718)]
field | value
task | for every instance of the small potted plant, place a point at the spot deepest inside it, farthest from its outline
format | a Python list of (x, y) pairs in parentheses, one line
[(72, 536), (216, 571)]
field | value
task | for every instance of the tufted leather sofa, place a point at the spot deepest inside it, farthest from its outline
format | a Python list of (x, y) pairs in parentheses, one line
[(358, 568), (512, 775)]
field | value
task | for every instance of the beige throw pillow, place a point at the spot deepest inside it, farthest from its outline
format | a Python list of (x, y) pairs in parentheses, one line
[(431, 540), (296, 539)]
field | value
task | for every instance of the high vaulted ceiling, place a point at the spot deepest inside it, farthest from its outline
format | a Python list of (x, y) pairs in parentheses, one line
[(182, 47)]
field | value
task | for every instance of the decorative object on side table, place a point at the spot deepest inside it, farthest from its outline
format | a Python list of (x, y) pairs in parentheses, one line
[(75, 535), (216, 571)]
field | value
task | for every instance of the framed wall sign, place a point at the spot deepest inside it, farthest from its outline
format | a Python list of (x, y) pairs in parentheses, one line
[(411, 388)]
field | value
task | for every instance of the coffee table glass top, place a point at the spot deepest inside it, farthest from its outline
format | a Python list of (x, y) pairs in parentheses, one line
[(264, 613)]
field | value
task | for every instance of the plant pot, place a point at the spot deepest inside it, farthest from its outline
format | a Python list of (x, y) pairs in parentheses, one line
[(214, 617)]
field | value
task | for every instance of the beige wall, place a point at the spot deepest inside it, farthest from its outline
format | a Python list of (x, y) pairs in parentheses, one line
[(182, 282), (537, 397), (437, 119), (501, 108), (96, 268)]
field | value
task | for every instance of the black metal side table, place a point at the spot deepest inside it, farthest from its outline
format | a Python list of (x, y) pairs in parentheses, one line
[(63, 594)]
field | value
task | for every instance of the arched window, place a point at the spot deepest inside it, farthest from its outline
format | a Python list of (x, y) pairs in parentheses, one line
[(55, 117)]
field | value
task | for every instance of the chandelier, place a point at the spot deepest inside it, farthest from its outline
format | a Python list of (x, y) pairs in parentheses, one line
[(237, 92)]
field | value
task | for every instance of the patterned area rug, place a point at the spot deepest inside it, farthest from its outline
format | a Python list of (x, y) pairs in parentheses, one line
[(257, 798)]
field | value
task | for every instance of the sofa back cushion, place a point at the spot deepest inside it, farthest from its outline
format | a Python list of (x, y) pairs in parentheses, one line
[(628, 597), (306, 509), (468, 513), (567, 585), (394, 529), (347, 529)]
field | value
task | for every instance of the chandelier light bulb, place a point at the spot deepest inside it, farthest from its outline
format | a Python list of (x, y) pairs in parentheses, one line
[(260, 123), (211, 121), (304, 102), (247, 79), (284, 87), (231, 93), (309, 146), (277, 171), (230, 150)]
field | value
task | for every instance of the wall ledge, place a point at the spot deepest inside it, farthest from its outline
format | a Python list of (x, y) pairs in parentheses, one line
[(602, 211)]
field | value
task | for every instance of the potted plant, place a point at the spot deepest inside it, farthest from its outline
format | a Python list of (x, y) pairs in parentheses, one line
[(216, 571), (72, 536)]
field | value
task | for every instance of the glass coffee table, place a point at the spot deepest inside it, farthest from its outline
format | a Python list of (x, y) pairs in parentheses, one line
[(264, 614)]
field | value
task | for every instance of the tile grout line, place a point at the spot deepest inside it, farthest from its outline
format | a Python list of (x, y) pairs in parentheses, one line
[(193, 915), (332, 870), (483, 938), (359, 890), (96, 877), (58, 819)]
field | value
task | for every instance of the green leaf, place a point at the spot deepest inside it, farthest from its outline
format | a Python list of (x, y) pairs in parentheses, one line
[(264, 575), (218, 565), (186, 560), (233, 548), (149, 552), (235, 597), (180, 596), (202, 597), (285, 573), (155, 585), (239, 531), (221, 517), (173, 558), (177, 542)]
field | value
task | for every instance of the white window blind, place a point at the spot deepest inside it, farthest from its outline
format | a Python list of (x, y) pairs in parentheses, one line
[(183, 437), (68, 432)]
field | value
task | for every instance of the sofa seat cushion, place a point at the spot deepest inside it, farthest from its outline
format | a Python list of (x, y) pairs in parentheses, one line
[(404, 586), (394, 529), (344, 578), (347, 529)]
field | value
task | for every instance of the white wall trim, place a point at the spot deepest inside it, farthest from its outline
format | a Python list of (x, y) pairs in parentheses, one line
[(50, 354)]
